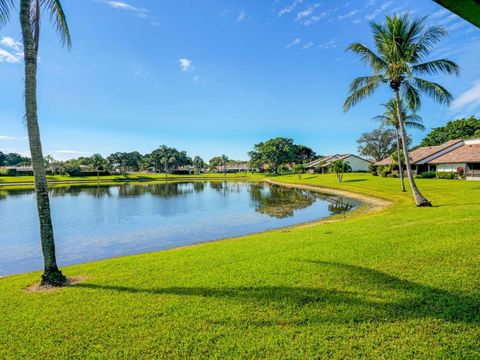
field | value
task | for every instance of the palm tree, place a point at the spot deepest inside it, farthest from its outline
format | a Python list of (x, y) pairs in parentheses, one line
[(225, 160), (402, 46), (198, 164), (339, 167), (97, 161), (30, 15), (390, 118)]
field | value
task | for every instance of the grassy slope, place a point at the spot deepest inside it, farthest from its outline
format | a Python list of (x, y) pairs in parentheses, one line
[(401, 283)]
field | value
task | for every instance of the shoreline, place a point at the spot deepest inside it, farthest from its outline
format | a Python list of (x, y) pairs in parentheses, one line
[(368, 205)]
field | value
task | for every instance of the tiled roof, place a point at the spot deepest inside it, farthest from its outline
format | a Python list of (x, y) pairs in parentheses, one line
[(421, 153), (466, 153)]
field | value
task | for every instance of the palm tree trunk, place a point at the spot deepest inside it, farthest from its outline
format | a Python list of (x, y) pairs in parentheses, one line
[(400, 165), (420, 200), (51, 275)]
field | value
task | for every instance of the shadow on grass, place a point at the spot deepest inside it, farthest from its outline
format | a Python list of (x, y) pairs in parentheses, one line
[(377, 297), (354, 180)]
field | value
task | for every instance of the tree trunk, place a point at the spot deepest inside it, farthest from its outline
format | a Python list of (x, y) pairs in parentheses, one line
[(51, 275), (420, 200), (400, 165)]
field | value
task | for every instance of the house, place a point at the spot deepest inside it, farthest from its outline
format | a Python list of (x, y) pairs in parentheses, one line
[(447, 157), (357, 163)]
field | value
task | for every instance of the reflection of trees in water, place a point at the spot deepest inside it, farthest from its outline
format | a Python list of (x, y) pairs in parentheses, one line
[(339, 205), (198, 186), (280, 202), (227, 186), (97, 191), (164, 190)]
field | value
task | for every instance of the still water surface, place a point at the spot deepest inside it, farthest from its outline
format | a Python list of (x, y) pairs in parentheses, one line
[(96, 222)]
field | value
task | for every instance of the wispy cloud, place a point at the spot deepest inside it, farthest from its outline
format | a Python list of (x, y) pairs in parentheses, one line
[(349, 14), (12, 51), (307, 12), (290, 8), (70, 152), (378, 10), (6, 137), (242, 15), (317, 17), (329, 44), (185, 64), (124, 6), (308, 45), (295, 42), (469, 99)]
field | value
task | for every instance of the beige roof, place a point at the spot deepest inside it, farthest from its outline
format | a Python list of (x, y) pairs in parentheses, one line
[(421, 153), (464, 154)]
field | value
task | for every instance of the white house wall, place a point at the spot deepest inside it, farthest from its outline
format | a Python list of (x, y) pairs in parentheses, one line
[(449, 167), (357, 164)]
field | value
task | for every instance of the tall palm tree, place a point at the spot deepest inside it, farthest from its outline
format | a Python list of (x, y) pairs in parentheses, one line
[(410, 120), (30, 15), (402, 45), (225, 160)]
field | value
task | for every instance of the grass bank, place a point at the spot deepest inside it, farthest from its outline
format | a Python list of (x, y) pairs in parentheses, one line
[(398, 283)]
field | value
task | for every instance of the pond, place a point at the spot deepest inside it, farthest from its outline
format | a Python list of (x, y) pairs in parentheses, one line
[(94, 222)]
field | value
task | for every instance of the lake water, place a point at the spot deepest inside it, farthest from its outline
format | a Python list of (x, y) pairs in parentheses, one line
[(95, 222)]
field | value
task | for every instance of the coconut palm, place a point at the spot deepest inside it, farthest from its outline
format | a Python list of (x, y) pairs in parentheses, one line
[(224, 160), (198, 164), (402, 46), (410, 120), (30, 15)]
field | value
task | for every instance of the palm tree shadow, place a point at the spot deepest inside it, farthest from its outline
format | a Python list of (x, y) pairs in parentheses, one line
[(381, 298)]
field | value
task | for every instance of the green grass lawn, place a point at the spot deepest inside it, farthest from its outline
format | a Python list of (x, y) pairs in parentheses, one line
[(400, 283)]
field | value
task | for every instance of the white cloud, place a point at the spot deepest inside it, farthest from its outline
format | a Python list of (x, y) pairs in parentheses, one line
[(9, 42), (379, 10), (329, 44), (185, 64), (12, 52), (312, 20), (294, 43), (120, 5), (290, 8), (307, 12), (308, 45), (6, 56), (349, 14), (6, 137), (469, 98), (242, 15)]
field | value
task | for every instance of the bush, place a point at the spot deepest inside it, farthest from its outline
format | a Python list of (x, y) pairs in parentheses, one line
[(445, 175), (383, 171), (427, 175), (372, 169)]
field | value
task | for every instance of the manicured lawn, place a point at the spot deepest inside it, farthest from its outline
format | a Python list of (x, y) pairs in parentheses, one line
[(400, 283)]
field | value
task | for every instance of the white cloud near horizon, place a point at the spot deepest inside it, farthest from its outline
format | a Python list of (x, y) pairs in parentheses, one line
[(469, 99), (6, 137), (185, 64)]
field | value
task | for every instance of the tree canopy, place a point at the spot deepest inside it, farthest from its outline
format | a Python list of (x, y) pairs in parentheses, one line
[(457, 129), (378, 143)]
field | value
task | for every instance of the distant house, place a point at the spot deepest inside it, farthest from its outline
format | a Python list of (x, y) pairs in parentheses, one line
[(446, 158), (357, 163)]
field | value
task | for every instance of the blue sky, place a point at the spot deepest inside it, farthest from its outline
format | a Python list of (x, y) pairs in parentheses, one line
[(214, 76)]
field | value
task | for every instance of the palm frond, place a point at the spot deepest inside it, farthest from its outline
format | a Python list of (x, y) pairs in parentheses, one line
[(360, 94), (6, 7), (426, 42), (368, 57), (57, 16), (434, 90), (437, 66), (411, 95), (364, 80)]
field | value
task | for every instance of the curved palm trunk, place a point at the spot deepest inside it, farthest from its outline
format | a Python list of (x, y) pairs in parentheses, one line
[(400, 165), (420, 200), (51, 275)]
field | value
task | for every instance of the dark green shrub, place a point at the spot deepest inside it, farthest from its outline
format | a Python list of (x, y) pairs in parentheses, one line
[(372, 169), (427, 175), (445, 175)]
